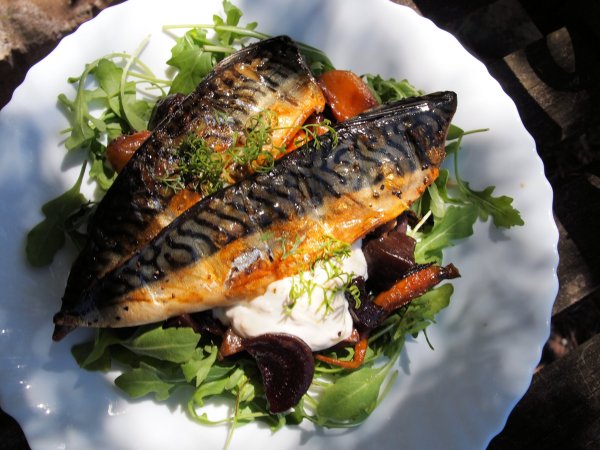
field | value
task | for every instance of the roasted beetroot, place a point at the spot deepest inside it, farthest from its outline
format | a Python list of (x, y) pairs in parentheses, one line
[(201, 322), (365, 314), (389, 255), (287, 366)]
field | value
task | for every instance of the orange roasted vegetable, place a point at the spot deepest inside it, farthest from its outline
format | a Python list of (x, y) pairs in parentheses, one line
[(360, 351), (413, 285), (121, 149), (346, 93)]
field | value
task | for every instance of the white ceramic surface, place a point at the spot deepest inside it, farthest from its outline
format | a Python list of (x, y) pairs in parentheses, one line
[(486, 343)]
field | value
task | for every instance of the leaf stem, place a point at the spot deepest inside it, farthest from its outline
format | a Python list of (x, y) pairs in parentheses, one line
[(238, 30), (133, 121)]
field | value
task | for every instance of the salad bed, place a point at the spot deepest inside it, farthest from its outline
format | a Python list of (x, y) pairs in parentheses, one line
[(159, 360)]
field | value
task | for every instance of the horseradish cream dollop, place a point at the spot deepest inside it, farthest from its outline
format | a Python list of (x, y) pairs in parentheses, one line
[(316, 311)]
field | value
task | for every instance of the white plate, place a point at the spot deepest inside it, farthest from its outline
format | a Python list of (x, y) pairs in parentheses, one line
[(486, 343)]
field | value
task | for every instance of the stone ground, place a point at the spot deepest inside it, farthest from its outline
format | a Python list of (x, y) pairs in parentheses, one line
[(30, 29)]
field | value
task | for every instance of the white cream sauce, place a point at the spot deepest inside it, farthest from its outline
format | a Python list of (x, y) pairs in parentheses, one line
[(308, 318)]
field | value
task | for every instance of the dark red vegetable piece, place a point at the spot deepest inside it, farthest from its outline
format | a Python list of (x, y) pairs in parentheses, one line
[(389, 257), (202, 322), (366, 315), (287, 366)]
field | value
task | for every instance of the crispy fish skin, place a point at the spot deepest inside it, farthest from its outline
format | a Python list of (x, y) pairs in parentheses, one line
[(270, 75), (215, 253)]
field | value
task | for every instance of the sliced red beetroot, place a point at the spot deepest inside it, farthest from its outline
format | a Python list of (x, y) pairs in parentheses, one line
[(389, 257), (287, 366), (202, 322), (366, 315)]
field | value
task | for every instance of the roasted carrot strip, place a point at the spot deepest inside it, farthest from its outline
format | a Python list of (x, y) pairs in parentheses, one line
[(346, 93), (121, 149), (360, 350), (413, 285)]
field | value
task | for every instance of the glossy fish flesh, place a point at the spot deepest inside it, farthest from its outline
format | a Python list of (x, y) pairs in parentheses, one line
[(268, 76), (216, 253)]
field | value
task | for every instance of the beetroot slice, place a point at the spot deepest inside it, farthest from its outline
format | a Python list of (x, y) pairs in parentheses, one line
[(367, 315), (287, 367), (389, 257)]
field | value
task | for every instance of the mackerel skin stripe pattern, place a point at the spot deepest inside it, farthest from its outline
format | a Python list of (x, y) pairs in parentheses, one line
[(270, 75), (216, 254)]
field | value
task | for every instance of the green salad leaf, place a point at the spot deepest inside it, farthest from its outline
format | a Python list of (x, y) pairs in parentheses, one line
[(456, 223), (503, 214), (166, 344), (195, 54), (198, 366), (146, 379), (352, 398), (103, 85), (387, 90), (48, 236), (193, 63)]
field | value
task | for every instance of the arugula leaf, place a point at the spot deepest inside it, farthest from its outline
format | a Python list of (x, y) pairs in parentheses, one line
[(48, 236), (232, 17), (387, 90), (457, 223), (209, 389), (81, 351), (81, 119), (168, 344), (352, 397), (135, 112), (199, 366), (193, 63), (500, 208), (438, 199), (454, 132), (100, 171), (122, 112), (422, 311), (195, 55), (96, 356), (108, 75), (145, 380)]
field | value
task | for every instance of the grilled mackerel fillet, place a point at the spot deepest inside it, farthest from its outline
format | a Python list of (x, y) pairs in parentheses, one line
[(216, 254), (268, 76)]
